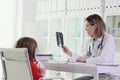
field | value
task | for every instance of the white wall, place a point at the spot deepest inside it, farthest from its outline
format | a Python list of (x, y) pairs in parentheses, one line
[(26, 23), (7, 24)]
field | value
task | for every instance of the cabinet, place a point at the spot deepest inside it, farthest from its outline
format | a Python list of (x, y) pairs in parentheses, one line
[(72, 29), (72, 33), (44, 29), (113, 28), (55, 25)]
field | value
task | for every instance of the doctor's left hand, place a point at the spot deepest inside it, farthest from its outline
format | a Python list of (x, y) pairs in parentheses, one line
[(81, 59)]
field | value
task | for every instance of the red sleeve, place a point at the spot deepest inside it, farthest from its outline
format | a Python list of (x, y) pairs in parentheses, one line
[(35, 71)]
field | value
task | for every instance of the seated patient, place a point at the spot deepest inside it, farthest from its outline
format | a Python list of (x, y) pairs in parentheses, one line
[(36, 67)]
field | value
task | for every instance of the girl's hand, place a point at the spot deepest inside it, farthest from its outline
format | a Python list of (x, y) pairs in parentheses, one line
[(41, 67)]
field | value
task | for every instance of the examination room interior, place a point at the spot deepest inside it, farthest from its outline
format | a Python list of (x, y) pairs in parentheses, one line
[(41, 19)]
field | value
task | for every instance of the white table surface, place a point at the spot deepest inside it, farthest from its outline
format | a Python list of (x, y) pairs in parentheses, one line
[(81, 68)]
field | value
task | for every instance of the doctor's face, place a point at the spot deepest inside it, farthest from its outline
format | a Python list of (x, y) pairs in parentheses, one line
[(90, 29)]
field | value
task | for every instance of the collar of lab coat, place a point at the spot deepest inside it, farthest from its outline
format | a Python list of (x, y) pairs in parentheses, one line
[(99, 39)]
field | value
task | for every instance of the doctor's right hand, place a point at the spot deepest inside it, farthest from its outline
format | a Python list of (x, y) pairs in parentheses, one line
[(66, 50)]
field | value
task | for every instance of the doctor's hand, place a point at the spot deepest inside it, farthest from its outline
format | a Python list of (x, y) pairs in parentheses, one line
[(81, 59), (66, 50)]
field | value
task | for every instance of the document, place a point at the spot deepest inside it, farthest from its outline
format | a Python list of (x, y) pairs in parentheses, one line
[(108, 64)]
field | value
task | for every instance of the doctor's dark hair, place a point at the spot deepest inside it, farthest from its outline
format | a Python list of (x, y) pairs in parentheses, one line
[(98, 21), (30, 44)]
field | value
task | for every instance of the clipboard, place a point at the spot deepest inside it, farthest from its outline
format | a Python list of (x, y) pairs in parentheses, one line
[(59, 39)]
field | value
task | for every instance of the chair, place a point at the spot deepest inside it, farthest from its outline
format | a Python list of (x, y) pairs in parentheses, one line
[(15, 64)]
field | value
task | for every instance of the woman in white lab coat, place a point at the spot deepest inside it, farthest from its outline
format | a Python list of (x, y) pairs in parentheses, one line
[(100, 47)]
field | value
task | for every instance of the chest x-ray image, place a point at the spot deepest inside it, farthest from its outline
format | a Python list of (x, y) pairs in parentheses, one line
[(59, 38)]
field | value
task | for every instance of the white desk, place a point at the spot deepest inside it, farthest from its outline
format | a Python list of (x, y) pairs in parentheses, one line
[(81, 68)]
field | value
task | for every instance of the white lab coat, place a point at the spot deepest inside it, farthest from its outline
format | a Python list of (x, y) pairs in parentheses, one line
[(105, 55)]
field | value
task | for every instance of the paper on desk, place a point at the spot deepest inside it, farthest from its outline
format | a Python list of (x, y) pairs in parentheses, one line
[(54, 61), (108, 64)]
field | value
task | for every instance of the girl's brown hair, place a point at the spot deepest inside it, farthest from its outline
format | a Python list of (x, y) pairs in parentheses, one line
[(98, 21), (30, 44)]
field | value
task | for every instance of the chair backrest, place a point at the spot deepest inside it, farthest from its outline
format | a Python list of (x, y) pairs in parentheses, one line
[(15, 64)]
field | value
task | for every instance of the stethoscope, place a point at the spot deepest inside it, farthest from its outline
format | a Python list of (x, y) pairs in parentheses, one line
[(89, 53)]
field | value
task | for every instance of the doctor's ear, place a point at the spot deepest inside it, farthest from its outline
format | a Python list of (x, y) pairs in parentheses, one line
[(95, 26)]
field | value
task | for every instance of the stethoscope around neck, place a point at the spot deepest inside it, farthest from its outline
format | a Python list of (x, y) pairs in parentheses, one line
[(89, 53)]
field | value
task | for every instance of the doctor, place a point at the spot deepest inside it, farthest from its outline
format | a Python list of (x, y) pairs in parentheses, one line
[(100, 47)]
